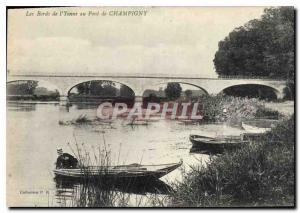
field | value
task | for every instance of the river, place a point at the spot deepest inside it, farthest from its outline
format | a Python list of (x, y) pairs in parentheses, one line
[(34, 135)]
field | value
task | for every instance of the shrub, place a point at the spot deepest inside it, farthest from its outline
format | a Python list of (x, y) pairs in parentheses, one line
[(230, 109), (267, 113)]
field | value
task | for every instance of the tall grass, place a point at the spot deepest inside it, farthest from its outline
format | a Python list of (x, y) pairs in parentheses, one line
[(259, 174)]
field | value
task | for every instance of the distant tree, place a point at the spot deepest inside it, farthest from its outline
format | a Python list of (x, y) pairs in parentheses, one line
[(125, 91), (188, 93), (56, 92), (83, 88), (97, 88), (22, 87), (173, 91), (30, 87), (108, 89)]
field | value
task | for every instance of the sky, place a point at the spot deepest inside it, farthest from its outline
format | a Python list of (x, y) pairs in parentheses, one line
[(166, 41)]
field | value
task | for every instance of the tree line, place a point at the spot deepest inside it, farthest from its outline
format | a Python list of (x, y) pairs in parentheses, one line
[(102, 88)]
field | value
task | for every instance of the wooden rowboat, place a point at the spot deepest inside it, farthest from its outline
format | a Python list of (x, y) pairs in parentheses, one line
[(259, 125), (217, 144), (119, 172)]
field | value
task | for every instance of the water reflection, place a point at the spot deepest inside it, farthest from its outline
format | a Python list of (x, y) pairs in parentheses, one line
[(83, 105), (19, 106), (196, 150), (102, 193)]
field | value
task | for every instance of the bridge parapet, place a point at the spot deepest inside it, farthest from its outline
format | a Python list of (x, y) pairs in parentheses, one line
[(268, 78)]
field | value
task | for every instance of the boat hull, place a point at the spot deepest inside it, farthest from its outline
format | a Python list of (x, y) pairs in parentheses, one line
[(259, 126), (116, 173), (255, 130), (215, 145)]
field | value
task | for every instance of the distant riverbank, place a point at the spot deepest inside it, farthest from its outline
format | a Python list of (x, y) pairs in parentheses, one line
[(286, 108)]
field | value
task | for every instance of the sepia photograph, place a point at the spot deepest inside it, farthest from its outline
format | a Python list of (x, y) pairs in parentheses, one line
[(150, 106)]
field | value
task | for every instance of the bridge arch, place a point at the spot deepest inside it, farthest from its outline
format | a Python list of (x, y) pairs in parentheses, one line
[(156, 92), (80, 81), (175, 81), (101, 89), (252, 90)]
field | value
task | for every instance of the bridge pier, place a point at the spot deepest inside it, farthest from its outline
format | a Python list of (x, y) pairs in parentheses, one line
[(63, 101), (280, 95), (138, 99)]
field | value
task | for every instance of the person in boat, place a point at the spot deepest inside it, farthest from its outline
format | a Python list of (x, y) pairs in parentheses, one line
[(65, 160)]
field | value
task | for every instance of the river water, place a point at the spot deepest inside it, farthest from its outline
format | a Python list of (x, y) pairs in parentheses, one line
[(34, 134)]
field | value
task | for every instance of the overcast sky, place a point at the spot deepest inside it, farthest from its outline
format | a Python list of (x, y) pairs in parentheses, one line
[(175, 41)]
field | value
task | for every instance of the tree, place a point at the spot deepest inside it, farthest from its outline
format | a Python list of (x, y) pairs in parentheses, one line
[(108, 89), (30, 87), (173, 91), (21, 87), (262, 47), (125, 91), (83, 88), (188, 93), (97, 88)]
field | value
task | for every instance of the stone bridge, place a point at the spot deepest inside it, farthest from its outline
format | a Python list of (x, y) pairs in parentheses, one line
[(141, 83)]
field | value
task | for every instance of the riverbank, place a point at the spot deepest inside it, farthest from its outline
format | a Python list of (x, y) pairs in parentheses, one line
[(260, 174), (287, 108)]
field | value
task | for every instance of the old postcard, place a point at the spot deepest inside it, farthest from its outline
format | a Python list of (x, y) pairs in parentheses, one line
[(150, 107)]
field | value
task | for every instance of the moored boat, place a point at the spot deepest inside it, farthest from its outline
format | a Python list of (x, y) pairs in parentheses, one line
[(217, 144), (259, 125), (119, 172)]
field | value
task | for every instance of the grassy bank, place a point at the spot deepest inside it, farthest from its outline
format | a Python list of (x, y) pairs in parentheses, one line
[(259, 174)]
